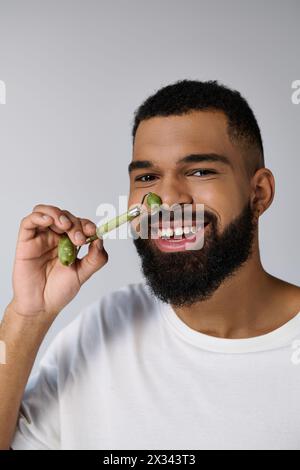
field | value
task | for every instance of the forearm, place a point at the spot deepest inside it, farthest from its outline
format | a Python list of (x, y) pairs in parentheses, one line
[(21, 337)]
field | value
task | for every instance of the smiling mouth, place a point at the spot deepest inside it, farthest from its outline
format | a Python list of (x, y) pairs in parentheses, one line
[(188, 231), (190, 238)]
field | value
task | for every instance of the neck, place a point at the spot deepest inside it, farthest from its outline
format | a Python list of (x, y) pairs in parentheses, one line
[(243, 306)]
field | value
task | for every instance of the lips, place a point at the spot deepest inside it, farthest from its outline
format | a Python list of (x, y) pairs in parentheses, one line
[(174, 233), (183, 243)]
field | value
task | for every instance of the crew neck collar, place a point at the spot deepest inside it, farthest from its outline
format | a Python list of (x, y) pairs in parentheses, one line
[(277, 338)]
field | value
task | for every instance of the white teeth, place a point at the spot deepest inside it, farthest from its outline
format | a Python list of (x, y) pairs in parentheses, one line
[(166, 232), (179, 231)]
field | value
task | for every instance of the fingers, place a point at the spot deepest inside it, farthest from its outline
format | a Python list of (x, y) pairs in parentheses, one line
[(89, 228), (65, 222), (32, 222), (96, 258), (60, 222), (81, 229)]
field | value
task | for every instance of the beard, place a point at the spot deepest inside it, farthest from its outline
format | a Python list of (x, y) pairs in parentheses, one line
[(183, 278)]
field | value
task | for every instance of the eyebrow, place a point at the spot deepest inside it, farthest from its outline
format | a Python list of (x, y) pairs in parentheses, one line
[(192, 158)]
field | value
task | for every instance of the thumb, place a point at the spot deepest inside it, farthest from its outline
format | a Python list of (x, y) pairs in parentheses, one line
[(96, 257)]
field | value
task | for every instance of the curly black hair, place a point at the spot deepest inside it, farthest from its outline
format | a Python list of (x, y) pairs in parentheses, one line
[(185, 96)]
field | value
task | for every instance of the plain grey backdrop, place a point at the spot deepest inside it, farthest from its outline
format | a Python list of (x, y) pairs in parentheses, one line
[(75, 71)]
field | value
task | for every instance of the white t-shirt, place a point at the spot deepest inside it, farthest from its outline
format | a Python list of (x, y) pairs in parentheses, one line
[(128, 373)]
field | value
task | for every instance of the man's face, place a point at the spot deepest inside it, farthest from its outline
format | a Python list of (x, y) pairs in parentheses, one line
[(221, 183)]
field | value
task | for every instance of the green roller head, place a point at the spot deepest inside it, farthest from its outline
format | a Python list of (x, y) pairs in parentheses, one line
[(153, 200), (67, 251)]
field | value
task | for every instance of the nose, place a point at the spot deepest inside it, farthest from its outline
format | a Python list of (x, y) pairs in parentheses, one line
[(173, 193), (176, 198)]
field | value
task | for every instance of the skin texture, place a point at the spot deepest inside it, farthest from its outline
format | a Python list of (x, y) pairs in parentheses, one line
[(235, 310)]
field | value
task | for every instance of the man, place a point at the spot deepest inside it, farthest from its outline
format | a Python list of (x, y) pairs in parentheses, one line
[(197, 357)]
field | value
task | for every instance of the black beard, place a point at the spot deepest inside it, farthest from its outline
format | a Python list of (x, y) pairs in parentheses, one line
[(185, 277)]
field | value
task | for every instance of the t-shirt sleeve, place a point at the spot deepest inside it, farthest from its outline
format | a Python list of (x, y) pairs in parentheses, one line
[(38, 426)]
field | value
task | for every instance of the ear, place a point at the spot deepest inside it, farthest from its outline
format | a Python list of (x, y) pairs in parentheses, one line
[(262, 191)]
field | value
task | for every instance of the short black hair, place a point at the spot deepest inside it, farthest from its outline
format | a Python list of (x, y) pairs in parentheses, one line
[(185, 96)]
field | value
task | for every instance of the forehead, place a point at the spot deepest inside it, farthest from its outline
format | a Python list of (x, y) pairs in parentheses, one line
[(168, 137)]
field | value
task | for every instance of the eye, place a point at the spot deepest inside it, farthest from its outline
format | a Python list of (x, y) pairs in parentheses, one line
[(145, 178), (204, 172)]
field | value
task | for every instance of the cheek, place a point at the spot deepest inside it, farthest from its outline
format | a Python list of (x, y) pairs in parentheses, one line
[(136, 195), (135, 198), (135, 224), (224, 202)]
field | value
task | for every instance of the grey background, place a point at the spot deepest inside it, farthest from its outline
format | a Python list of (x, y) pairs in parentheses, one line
[(75, 72)]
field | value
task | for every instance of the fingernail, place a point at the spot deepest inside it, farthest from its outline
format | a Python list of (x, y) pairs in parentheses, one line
[(79, 237), (63, 220), (46, 217)]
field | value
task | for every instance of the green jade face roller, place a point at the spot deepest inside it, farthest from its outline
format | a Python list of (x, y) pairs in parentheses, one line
[(67, 251)]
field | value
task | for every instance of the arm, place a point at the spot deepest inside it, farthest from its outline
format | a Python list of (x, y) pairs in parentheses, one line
[(22, 337), (42, 288)]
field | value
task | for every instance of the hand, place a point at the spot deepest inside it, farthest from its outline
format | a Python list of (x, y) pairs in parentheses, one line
[(41, 283)]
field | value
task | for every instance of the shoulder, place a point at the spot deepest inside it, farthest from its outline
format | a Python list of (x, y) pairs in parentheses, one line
[(109, 322), (111, 314), (134, 295), (126, 302)]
